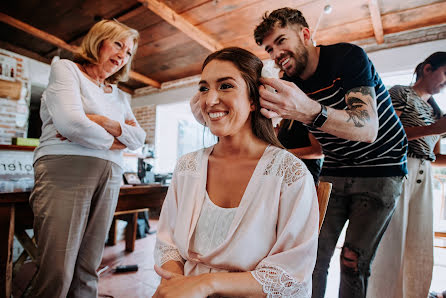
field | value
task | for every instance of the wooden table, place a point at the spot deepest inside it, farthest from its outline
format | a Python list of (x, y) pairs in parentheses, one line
[(16, 216)]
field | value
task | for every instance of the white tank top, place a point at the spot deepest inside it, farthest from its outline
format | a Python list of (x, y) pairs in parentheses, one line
[(212, 227)]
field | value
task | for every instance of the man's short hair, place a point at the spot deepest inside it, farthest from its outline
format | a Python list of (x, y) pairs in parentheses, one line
[(283, 17)]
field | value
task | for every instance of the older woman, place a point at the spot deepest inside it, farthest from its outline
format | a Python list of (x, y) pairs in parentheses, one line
[(241, 217), (87, 121), (404, 259)]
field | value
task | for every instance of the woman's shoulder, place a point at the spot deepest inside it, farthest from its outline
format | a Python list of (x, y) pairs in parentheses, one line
[(400, 91), (401, 88), (63, 67), (286, 165), (190, 162), (65, 63), (283, 155)]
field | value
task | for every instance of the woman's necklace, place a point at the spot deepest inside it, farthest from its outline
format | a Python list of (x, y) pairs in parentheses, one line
[(97, 82)]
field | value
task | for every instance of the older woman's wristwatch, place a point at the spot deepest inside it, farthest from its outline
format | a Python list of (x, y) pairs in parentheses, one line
[(321, 117)]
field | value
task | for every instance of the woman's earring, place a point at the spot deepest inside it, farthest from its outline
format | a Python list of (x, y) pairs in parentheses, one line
[(253, 107)]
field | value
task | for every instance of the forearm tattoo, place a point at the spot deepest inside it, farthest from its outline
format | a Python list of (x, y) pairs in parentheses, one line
[(358, 109)]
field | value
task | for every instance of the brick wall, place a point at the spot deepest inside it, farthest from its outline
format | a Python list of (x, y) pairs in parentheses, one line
[(14, 113), (10, 110), (146, 117)]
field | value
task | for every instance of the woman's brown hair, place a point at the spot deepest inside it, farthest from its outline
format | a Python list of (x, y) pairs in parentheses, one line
[(250, 67), (436, 60)]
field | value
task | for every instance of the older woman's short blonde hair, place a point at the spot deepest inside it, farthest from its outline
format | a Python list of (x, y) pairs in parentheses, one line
[(92, 42)]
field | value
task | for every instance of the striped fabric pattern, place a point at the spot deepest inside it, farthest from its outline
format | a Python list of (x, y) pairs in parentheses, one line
[(416, 112), (383, 158)]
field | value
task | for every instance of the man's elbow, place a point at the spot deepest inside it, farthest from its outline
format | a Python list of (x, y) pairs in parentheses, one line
[(371, 135), (370, 139)]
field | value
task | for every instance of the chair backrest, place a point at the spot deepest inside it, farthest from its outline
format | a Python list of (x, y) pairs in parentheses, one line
[(323, 195)]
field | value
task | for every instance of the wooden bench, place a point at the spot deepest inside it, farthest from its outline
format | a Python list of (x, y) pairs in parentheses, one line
[(131, 217)]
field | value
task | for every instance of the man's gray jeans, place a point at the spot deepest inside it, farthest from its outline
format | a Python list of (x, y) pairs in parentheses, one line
[(368, 204)]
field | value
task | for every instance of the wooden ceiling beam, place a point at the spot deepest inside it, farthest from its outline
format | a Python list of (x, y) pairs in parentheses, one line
[(424, 16), (176, 20), (395, 22), (62, 44), (36, 32), (143, 79), (376, 21), (128, 15), (21, 51)]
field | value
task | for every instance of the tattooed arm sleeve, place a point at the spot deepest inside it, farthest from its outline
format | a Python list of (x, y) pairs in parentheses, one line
[(359, 120), (361, 103)]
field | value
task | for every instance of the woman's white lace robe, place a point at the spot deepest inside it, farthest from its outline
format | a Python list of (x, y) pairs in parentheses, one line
[(274, 232)]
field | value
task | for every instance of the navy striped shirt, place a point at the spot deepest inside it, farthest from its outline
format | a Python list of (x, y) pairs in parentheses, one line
[(342, 67)]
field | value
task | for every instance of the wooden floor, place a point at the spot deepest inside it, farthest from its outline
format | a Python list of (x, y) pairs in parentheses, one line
[(143, 283)]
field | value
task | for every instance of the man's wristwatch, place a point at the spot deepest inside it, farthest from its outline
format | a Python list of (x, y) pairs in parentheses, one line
[(321, 117)]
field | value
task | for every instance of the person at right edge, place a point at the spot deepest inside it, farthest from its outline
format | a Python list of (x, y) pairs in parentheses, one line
[(404, 260), (336, 92)]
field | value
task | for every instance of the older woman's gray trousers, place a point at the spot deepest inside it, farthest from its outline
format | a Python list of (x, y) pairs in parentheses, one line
[(73, 201)]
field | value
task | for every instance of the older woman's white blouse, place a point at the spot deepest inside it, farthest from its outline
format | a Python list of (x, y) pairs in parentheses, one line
[(70, 95), (273, 233)]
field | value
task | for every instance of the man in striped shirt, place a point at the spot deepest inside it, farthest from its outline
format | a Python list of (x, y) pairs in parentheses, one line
[(336, 92)]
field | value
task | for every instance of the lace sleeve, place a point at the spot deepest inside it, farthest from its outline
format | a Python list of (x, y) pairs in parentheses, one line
[(286, 165), (278, 283), (164, 253)]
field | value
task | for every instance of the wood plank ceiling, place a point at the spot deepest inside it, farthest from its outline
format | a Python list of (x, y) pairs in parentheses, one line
[(176, 35)]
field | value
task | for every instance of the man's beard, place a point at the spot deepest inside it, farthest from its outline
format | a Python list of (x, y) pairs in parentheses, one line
[(300, 57)]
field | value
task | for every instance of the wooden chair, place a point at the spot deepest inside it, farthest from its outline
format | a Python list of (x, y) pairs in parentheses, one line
[(131, 217), (29, 250), (323, 195)]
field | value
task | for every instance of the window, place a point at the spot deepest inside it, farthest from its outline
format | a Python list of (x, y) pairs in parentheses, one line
[(177, 133)]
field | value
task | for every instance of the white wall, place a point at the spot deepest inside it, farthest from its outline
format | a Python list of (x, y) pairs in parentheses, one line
[(39, 73), (403, 59), (166, 97)]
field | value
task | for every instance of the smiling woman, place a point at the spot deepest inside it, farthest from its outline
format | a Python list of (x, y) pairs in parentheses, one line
[(237, 91), (87, 122), (222, 99), (241, 217)]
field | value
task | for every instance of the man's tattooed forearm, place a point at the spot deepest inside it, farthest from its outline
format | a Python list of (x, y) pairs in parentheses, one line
[(357, 111)]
